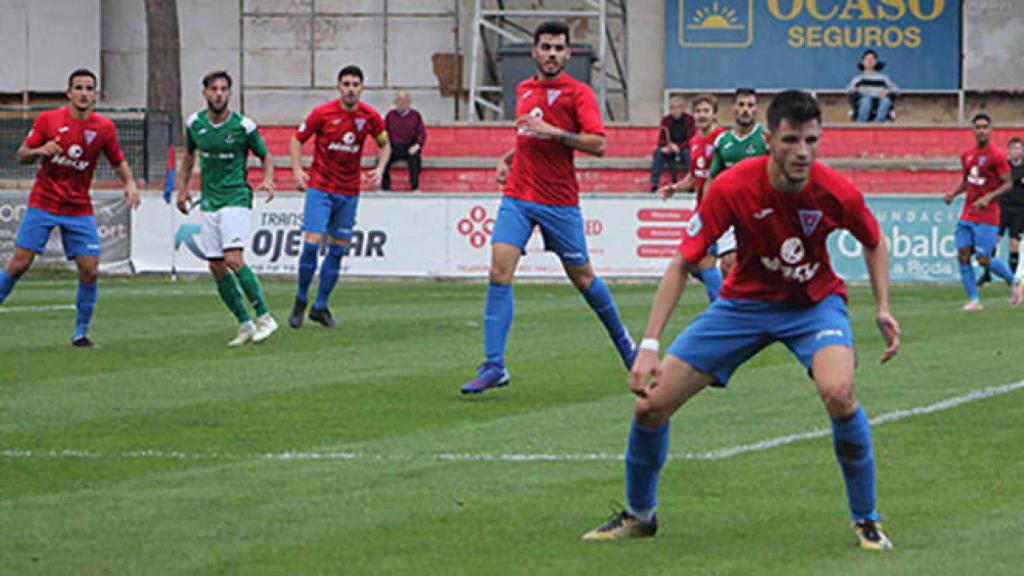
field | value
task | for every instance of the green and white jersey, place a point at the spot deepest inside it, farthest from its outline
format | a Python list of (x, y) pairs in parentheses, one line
[(223, 150), (730, 149)]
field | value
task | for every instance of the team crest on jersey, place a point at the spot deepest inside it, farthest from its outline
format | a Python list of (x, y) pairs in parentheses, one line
[(809, 220), (229, 139), (694, 226), (709, 149), (90, 135), (792, 251), (360, 122), (751, 150), (553, 96), (981, 161)]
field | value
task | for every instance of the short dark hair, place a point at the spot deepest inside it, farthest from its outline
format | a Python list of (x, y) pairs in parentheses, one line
[(745, 92), (217, 75), (797, 106), (351, 70), (551, 29), (981, 116), (1016, 140), (701, 98), (78, 73)]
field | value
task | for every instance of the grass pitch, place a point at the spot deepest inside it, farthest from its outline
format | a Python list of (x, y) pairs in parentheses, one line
[(351, 452)]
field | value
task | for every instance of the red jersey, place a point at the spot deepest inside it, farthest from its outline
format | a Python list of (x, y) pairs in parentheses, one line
[(781, 238), (984, 171), (702, 153), (339, 145), (542, 169), (63, 181)]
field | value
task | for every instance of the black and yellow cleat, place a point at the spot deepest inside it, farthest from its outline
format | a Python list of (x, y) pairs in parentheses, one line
[(870, 536), (624, 526)]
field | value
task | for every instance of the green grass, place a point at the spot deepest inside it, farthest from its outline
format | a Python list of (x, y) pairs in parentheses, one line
[(384, 388)]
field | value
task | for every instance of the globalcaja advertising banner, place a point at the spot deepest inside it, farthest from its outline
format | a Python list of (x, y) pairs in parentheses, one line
[(449, 236), (112, 222), (811, 44)]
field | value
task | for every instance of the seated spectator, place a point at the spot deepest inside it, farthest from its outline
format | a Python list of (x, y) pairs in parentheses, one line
[(407, 135), (871, 90), (673, 142)]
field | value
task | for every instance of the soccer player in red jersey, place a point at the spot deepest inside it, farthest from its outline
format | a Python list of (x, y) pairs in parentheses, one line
[(557, 115), (987, 176), (69, 141), (783, 208), (332, 186), (702, 154)]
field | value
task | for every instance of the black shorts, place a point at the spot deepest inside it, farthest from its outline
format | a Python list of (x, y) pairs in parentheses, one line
[(1011, 220)]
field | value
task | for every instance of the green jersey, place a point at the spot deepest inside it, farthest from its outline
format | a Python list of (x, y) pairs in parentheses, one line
[(730, 149), (223, 151)]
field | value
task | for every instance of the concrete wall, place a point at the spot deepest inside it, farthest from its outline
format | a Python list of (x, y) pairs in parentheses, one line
[(647, 55), (123, 52), (993, 44), (210, 40), (43, 40)]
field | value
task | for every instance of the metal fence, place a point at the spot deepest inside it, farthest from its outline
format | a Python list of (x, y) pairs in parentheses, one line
[(145, 136)]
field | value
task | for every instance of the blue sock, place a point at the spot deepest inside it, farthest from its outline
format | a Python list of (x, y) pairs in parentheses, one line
[(497, 321), (307, 268), (86, 305), (712, 280), (646, 454), (600, 300), (969, 281), (329, 271), (999, 268), (7, 283), (852, 441)]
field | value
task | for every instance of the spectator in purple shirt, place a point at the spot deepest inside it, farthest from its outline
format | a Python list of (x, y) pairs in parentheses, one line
[(407, 135)]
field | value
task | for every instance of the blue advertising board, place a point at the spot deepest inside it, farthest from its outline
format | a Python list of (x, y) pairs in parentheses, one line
[(921, 240), (810, 44)]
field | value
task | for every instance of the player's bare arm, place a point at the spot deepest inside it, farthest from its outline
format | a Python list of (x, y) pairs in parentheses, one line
[(669, 190), (27, 155), (671, 288), (184, 198), (295, 151), (383, 155), (504, 165), (267, 184), (877, 261), (131, 192), (592, 144), (960, 189), (1005, 185)]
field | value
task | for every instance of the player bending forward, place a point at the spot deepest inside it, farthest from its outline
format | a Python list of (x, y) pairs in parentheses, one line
[(783, 208)]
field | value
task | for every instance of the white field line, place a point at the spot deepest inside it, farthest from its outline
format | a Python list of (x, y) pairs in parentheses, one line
[(309, 456), (50, 308)]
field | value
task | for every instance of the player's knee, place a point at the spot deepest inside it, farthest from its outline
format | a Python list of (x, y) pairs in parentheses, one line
[(500, 274), (18, 266), (984, 260), (839, 400), (582, 279), (964, 256), (649, 414), (218, 269), (88, 275)]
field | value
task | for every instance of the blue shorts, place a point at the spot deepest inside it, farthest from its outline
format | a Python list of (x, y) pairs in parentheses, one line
[(730, 332), (561, 226), (330, 214), (983, 238), (78, 233)]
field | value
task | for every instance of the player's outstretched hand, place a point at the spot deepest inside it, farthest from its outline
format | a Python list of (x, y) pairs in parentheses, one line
[(131, 196), (301, 179), (667, 191), (51, 148), (374, 177), (948, 197), (532, 125), (268, 186), (645, 366), (981, 203), (184, 202), (890, 330)]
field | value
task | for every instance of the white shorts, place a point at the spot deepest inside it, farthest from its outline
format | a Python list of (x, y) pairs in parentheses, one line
[(225, 229), (727, 242)]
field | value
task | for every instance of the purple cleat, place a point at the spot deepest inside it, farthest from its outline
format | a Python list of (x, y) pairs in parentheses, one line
[(488, 376)]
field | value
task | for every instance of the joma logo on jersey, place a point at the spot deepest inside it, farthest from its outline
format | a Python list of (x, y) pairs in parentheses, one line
[(716, 23)]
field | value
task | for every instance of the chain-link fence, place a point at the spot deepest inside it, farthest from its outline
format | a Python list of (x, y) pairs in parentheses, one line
[(145, 136)]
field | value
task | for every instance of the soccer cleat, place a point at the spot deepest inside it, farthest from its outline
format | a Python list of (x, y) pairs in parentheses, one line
[(622, 527), (265, 326), (322, 316), (870, 536), (972, 306), (488, 376), (246, 330), (1018, 295), (82, 342), (298, 311)]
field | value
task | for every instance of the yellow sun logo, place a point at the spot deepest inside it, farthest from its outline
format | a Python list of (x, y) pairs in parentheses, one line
[(715, 18)]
